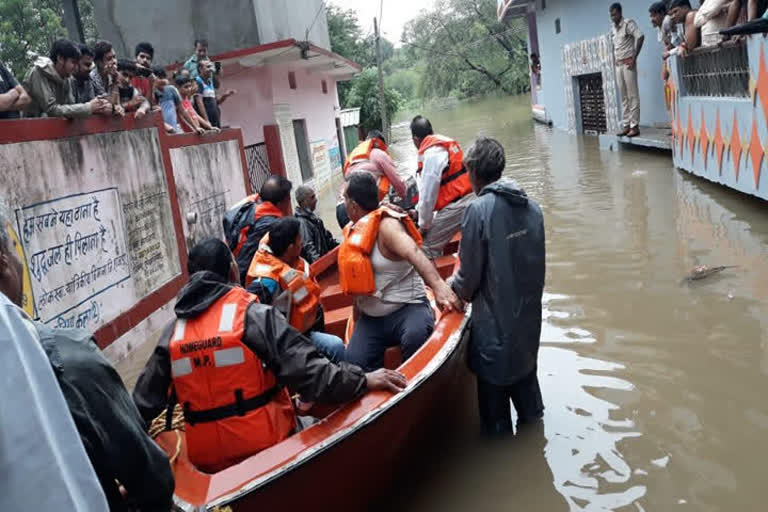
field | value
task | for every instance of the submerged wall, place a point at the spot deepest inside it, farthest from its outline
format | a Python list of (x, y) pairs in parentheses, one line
[(97, 208)]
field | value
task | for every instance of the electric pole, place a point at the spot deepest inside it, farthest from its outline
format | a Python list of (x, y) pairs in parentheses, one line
[(382, 101)]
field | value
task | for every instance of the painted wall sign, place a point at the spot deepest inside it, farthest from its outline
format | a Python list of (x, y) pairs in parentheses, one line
[(76, 252)]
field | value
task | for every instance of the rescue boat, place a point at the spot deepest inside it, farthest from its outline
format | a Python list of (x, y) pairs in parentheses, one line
[(353, 455)]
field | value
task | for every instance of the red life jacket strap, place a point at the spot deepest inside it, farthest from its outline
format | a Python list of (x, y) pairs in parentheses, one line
[(240, 407)]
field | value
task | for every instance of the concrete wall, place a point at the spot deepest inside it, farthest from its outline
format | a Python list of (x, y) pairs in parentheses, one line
[(588, 19), (723, 139), (251, 108), (209, 179), (265, 98), (97, 226), (319, 109), (172, 26), (93, 215), (290, 19)]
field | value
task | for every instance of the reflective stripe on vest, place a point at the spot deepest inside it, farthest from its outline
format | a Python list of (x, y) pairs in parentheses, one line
[(229, 357)]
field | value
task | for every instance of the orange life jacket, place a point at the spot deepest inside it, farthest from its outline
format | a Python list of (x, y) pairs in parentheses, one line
[(362, 153), (354, 258), (454, 183), (233, 407), (305, 292)]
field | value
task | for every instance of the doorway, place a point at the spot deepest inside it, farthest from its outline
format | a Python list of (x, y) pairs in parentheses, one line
[(592, 102), (302, 147)]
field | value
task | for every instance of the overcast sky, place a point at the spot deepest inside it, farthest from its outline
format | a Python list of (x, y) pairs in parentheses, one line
[(396, 14)]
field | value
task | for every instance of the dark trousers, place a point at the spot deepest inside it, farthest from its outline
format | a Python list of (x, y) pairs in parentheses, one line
[(341, 215), (495, 410), (409, 327)]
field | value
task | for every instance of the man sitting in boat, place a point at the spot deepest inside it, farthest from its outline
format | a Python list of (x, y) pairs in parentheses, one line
[(502, 272), (444, 189), (246, 223), (277, 268), (382, 265), (227, 359), (372, 156)]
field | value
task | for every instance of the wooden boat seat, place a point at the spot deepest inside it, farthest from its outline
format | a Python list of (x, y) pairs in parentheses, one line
[(445, 265), (393, 358), (333, 298)]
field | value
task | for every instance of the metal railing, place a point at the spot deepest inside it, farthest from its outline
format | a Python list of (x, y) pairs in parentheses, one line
[(258, 165), (719, 71)]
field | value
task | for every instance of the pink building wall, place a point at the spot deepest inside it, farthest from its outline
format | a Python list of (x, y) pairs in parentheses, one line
[(251, 107), (260, 90)]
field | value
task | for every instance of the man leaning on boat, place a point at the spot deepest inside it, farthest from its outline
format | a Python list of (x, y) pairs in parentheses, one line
[(228, 360), (382, 266)]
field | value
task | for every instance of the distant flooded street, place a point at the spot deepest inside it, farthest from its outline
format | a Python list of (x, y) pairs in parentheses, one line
[(655, 390)]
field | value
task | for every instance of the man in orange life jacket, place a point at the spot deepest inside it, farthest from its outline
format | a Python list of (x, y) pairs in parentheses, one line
[(444, 189), (380, 263), (226, 359), (246, 223), (277, 268), (372, 156)]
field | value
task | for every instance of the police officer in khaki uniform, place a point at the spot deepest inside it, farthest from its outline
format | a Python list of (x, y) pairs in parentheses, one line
[(627, 43)]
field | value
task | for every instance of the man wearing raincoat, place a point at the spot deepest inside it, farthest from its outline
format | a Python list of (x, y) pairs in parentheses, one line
[(502, 274)]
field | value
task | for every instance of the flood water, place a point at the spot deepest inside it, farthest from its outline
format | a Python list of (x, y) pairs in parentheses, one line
[(655, 392)]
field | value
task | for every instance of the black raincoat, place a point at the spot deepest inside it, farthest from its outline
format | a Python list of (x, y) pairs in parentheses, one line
[(502, 273), (110, 427), (316, 241)]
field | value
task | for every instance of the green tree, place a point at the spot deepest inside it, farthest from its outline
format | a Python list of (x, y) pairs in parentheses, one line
[(27, 29), (364, 93), (467, 51)]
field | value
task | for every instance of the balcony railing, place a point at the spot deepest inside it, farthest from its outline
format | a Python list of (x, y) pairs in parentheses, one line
[(719, 71)]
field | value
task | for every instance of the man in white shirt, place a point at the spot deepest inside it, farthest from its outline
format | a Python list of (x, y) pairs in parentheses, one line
[(444, 188), (42, 459), (711, 18)]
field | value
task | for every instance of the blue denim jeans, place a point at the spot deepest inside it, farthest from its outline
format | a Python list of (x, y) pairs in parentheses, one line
[(409, 327), (329, 345)]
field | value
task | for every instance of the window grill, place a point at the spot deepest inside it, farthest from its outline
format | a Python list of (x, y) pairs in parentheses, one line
[(258, 165), (592, 102), (719, 71)]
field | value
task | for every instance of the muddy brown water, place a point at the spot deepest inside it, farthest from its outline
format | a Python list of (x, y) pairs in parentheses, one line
[(655, 393)]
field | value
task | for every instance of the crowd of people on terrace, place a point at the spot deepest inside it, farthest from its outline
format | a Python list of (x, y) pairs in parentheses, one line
[(683, 28), (78, 80)]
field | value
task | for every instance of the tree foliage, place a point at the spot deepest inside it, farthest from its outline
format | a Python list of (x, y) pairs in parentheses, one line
[(364, 93), (348, 40), (467, 51), (29, 27)]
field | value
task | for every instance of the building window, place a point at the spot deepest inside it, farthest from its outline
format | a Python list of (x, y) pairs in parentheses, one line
[(543, 4), (557, 26), (292, 76), (324, 84), (302, 147)]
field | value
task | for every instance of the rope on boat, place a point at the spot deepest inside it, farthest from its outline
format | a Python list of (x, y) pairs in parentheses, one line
[(177, 423)]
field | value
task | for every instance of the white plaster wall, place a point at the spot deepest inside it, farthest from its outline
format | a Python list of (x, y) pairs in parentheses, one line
[(84, 284), (209, 178)]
